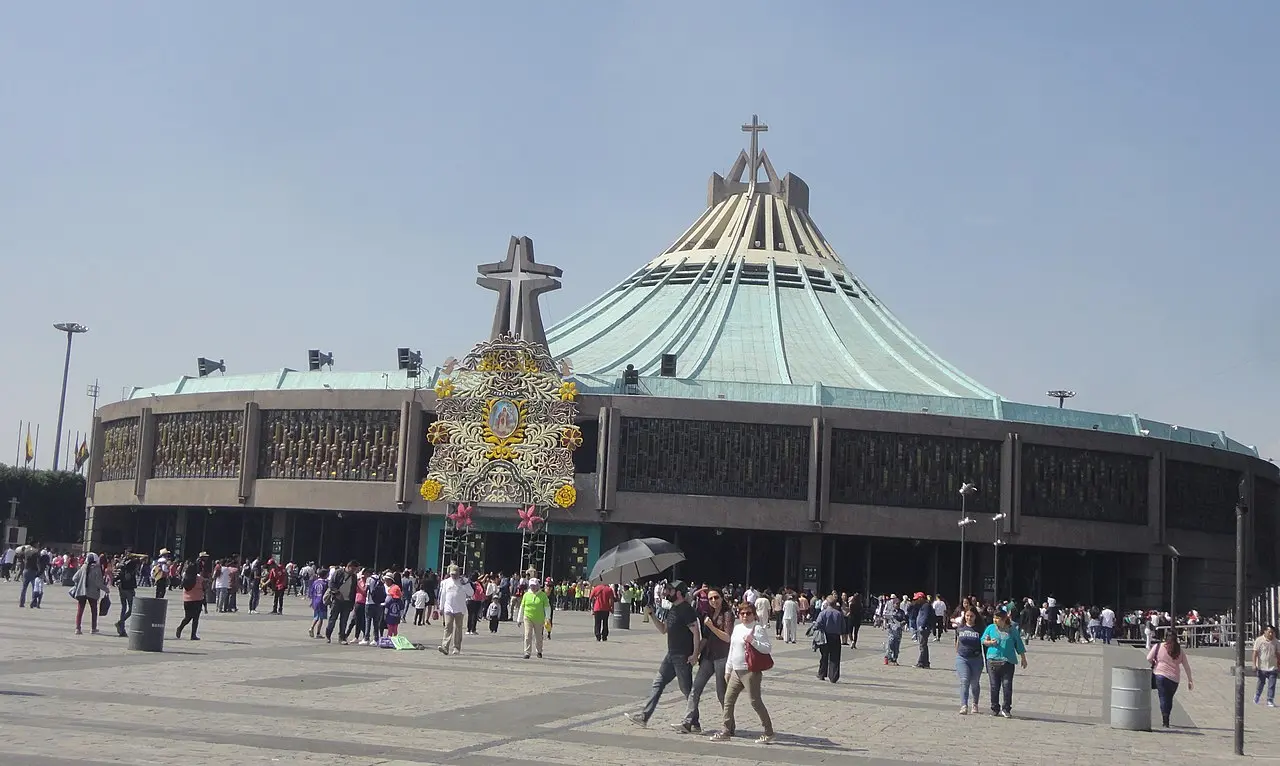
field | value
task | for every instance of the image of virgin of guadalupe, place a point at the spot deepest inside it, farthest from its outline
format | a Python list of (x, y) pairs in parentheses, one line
[(505, 418)]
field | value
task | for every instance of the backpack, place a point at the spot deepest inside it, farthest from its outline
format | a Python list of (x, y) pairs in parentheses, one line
[(189, 577)]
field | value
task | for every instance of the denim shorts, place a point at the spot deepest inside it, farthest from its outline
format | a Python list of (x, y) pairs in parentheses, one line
[(319, 613)]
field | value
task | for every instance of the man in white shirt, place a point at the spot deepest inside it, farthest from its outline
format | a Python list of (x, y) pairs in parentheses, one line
[(1107, 621), (940, 617), (790, 618), (1265, 649), (453, 609), (750, 595)]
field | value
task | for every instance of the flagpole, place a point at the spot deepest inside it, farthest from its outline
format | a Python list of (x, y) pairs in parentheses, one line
[(18, 452), (35, 453)]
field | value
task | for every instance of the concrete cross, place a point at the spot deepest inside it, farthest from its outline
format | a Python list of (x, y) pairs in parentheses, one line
[(519, 281), (755, 128)]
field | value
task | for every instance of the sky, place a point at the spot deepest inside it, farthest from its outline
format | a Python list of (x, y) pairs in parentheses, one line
[(1051, 195)]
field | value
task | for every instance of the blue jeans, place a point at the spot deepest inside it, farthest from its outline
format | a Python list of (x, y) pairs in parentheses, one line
[(673, 666), (27, 576), (707, 669), (1000, 676), (1166, 688), (1266, 678), (969, 673)]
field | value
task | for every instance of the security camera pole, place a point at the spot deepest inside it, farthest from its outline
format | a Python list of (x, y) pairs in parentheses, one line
[(966, 489)]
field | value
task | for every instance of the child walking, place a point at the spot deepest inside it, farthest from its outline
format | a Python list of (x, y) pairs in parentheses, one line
[(37, 591), (393, 606), (420, 599), (494, 613), (319, 607)]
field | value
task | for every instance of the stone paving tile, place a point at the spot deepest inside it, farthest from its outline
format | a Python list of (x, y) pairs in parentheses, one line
[(257, 690)]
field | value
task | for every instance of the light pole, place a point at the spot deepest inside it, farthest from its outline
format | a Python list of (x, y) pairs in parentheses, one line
[(1173, 585), (1061, 394), (966, 489), (72, 329), (1242, 508), (995, 585)]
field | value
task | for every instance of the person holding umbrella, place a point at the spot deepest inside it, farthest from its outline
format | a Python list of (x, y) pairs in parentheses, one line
[(684, 648)]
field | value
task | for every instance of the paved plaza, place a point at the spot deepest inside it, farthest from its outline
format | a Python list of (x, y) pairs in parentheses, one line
[(257, 690)]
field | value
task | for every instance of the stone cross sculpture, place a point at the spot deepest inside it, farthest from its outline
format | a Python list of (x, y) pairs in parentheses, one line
[(519, 281)]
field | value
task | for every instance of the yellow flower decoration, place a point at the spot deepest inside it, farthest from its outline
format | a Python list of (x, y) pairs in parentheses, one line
[(566, 496), (444, 388), (438, 432), (568, 391), (431, 490), (571, 437)]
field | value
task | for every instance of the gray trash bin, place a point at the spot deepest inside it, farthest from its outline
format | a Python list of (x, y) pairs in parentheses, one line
[(621, 619), (146, 624), (1131, 699)]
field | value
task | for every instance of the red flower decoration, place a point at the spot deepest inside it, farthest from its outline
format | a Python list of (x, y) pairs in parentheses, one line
[(461, 517), (529, 518)]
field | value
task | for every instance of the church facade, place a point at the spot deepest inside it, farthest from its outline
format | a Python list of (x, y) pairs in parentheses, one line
[(743, 394)]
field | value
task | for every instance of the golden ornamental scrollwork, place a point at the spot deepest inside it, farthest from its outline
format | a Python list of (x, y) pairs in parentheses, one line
[(444, 388), (509, 422), (431, 490)]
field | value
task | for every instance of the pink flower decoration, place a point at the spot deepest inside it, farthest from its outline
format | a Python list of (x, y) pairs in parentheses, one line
[(461, 517), (529, 518)]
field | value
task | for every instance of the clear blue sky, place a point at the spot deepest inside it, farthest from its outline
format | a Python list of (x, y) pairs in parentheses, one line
[(1078, 195)]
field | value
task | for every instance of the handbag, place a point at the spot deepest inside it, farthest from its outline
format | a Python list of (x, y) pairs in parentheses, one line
[(104, 606), (757, 661)]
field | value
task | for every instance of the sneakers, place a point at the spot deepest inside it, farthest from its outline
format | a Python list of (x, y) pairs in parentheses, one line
[(765, 739), (975, 709), (539, 655), (443, 650), (964, 710), (637, 718), (527, 656), (682, 728), (1270, 703), (1005, 714), (721, 736)]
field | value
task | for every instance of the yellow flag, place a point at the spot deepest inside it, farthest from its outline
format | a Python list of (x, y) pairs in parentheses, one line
[(31, 451)]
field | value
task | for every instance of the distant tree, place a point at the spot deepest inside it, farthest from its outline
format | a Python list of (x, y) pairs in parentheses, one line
[(50, 503)]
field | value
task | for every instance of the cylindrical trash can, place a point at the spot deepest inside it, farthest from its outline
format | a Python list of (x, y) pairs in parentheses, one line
[(1131, 699), (621, 619), (146, 624)]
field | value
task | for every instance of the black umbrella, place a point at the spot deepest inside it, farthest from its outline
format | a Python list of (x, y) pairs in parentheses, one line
[(635, 559)]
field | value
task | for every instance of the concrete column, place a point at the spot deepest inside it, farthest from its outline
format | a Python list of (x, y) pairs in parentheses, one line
[(94, 473), (1010, 483), (250, 445), (824, 476), (815, 464), (146, 451), (602, 455), (410, 452), (1155, 499), (612, 462)]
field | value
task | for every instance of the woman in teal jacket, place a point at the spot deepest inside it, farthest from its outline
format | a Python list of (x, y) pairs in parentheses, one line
[(1003, 642)]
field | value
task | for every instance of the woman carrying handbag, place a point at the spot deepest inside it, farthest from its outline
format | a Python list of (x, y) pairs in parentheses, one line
[(749, 656)]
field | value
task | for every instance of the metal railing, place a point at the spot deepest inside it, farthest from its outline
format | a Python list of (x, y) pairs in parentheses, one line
[(1207, 634)]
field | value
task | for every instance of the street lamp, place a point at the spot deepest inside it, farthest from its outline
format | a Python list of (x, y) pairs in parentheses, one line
[(966, 489), (995, 583), (1242, 508), (1061, 394), (72, 329)]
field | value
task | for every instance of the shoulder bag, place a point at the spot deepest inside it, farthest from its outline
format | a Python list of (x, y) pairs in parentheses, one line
[(758, 662)]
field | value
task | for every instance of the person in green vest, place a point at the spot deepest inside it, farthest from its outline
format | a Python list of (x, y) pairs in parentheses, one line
[(533, 611)]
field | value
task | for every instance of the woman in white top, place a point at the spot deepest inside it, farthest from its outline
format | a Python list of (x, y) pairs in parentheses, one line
[(747, 631)]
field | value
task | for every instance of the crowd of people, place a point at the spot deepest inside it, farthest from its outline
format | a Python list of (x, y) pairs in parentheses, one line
[(723, 634)]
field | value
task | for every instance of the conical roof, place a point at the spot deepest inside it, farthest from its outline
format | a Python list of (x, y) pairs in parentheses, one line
[(752, 292)]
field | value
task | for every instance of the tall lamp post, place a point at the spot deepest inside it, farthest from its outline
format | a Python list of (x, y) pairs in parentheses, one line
[(995, 586), (1173, 585), (966, 489), (72, 329), (1242, 508)]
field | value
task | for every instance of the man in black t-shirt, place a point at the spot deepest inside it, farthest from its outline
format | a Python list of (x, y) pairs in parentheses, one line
[(684, 647)]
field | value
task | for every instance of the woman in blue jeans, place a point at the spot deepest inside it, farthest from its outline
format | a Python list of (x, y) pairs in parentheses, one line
[(1004, 646), (969, 661)]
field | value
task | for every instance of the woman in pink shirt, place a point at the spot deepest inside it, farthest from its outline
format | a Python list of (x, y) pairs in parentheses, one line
[(1168, 660)]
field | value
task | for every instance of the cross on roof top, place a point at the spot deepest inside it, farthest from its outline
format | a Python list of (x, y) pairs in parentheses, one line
[(519, 281), (755, 128)]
